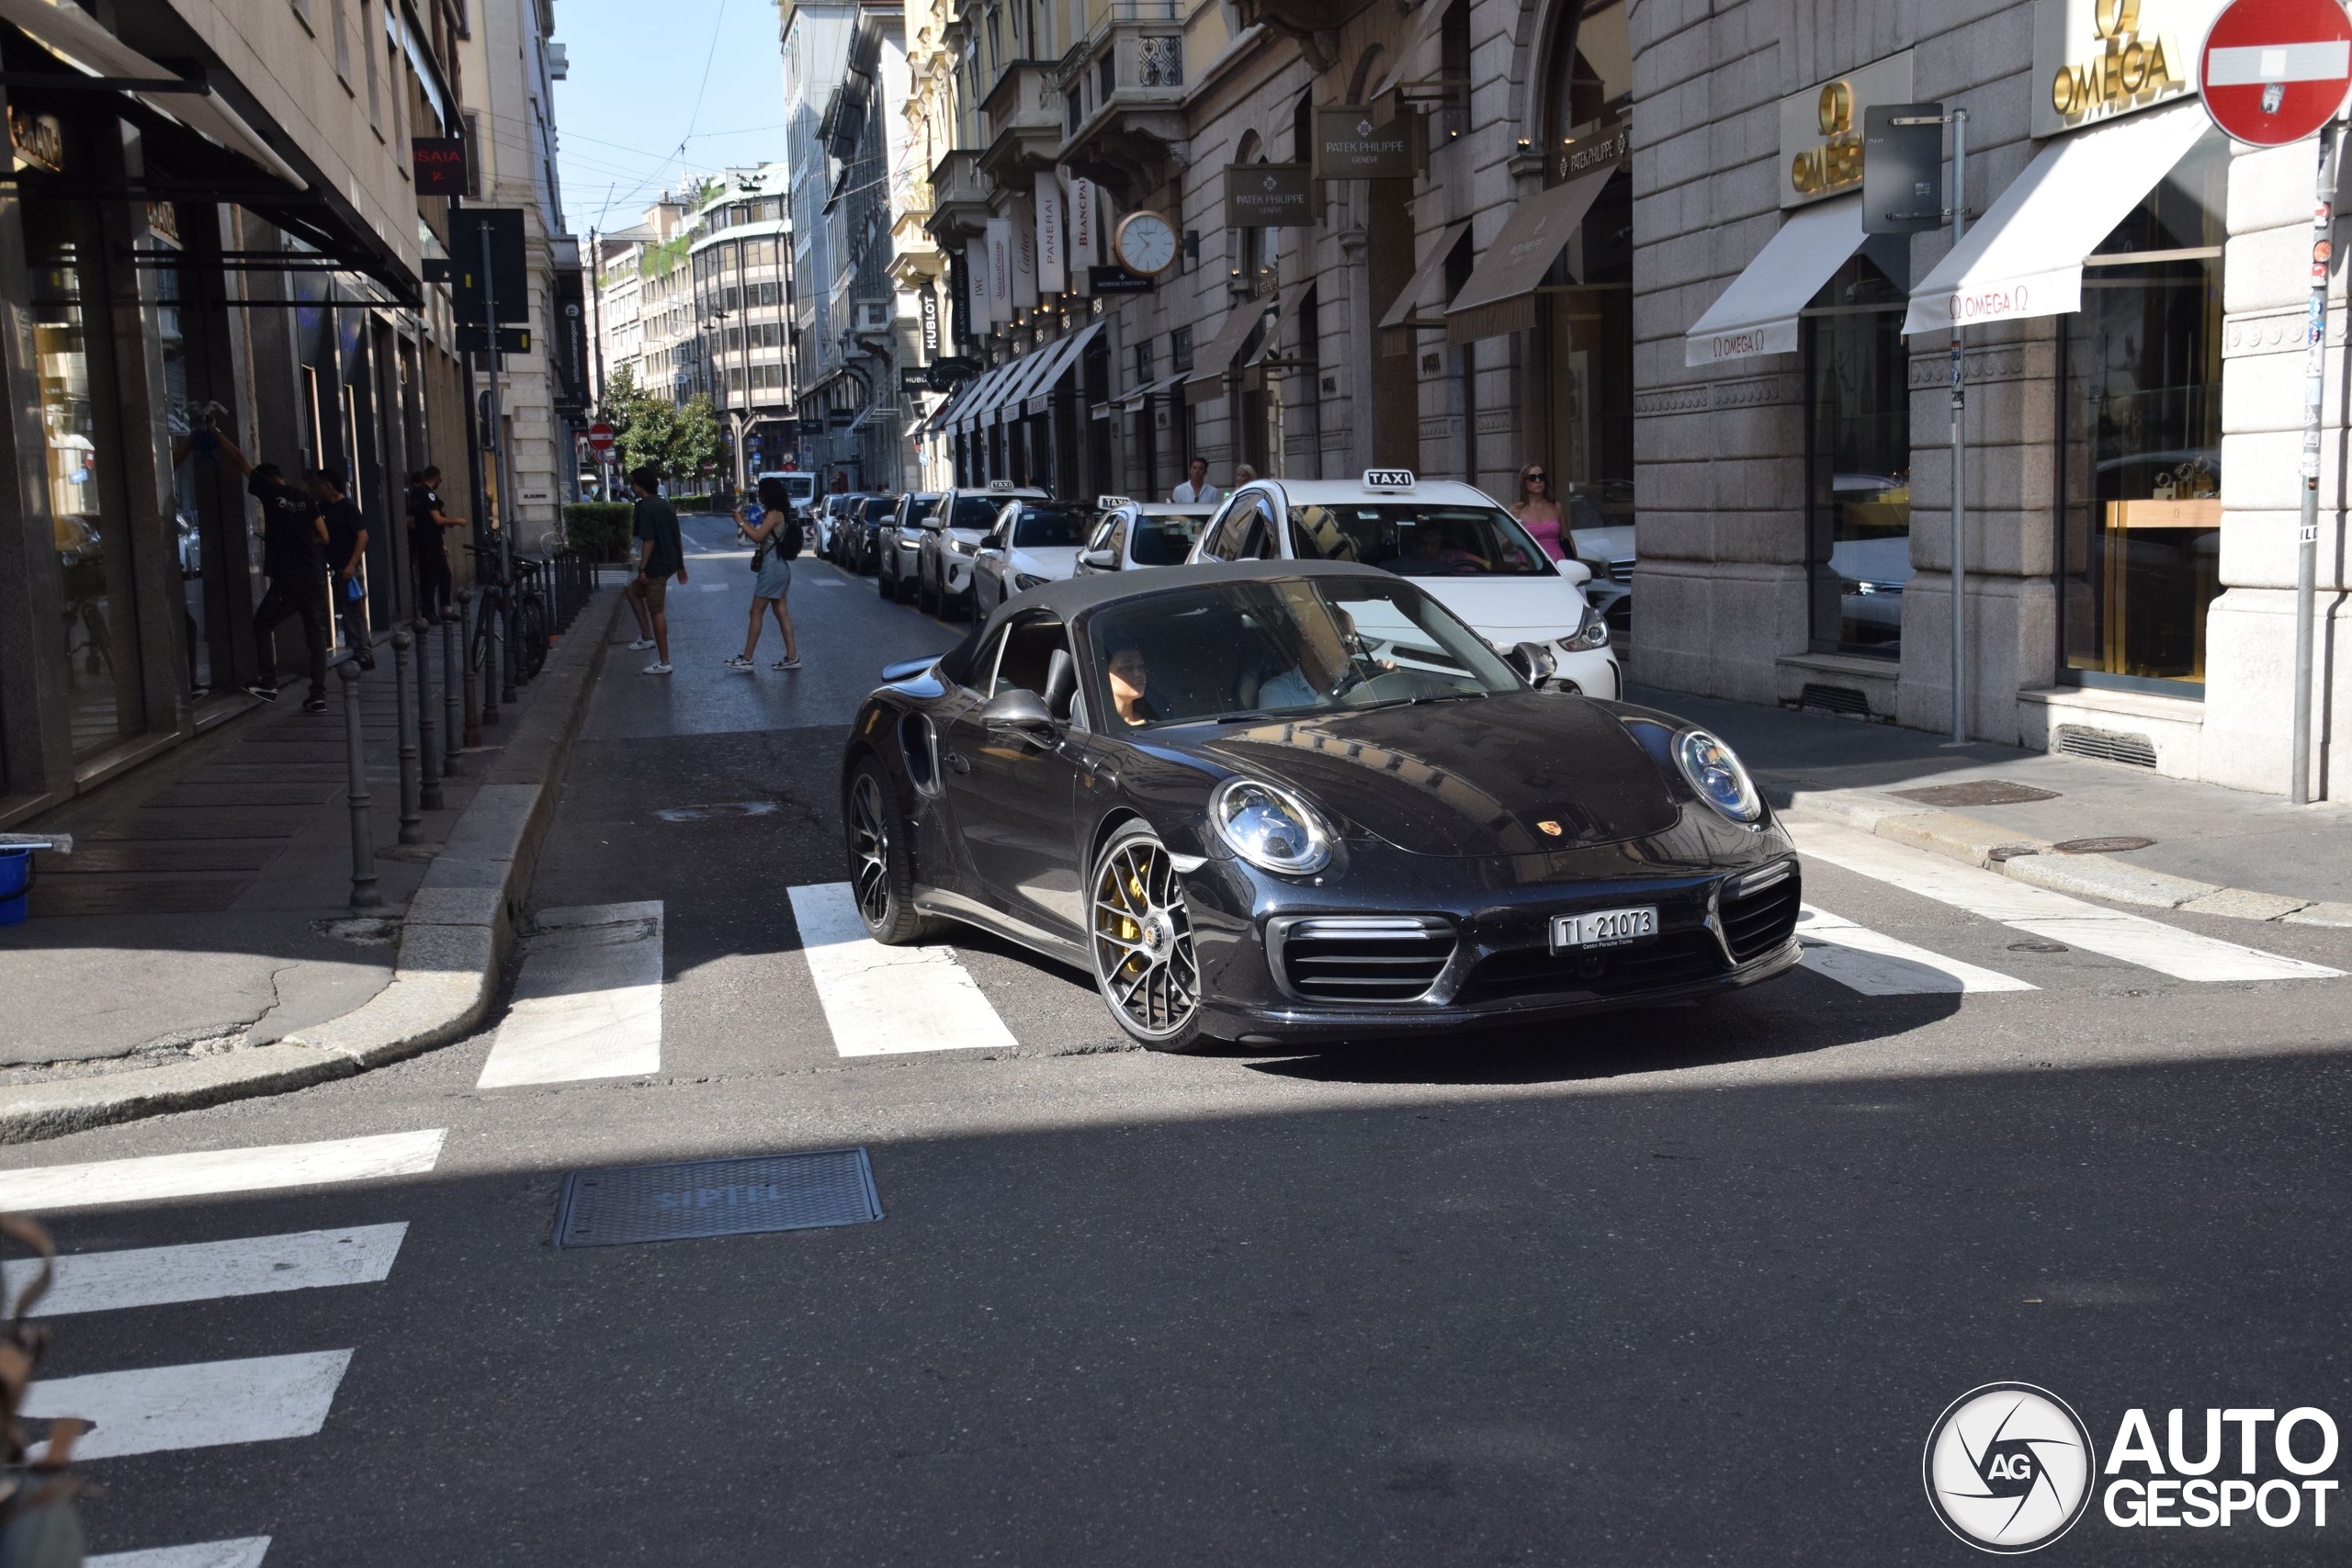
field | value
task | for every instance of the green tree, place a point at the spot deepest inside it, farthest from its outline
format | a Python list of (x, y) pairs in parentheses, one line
[(650, 430), (694, 441)]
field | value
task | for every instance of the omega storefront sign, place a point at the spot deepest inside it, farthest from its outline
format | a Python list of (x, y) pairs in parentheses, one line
[(1820, 130), (2093, 60)]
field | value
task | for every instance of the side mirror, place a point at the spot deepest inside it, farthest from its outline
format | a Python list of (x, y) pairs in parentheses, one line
[(1101, 560), (993, 542), (1018, 711), (1575, 571), (1532, 659)]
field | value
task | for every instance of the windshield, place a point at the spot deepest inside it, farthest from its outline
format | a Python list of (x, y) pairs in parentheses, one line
[(1233, 651), (1417, 540), (975, 511), (1162, 541), (1047, 527), (801, 487)]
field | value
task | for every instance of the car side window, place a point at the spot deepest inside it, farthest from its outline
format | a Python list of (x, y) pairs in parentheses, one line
[(1117, 543), (1224, 533), (1266, 533), (983, 674), (1030, 644)]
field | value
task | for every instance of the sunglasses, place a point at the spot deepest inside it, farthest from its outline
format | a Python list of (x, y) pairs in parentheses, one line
[(1537, 479)]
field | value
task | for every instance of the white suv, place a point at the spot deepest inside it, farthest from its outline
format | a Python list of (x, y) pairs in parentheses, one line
[(1453, 540)]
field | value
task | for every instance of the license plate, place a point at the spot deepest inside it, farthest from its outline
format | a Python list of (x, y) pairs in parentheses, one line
[(1604, 927)]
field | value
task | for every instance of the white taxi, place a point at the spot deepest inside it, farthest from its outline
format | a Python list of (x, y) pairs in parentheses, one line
[(952, 537), (1134, 535), (1453, 540)]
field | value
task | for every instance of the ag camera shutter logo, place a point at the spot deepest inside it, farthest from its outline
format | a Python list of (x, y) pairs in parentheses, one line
[(2008, 1468)]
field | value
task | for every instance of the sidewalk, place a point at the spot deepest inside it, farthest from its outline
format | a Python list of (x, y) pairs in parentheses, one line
[(203, 922), (2030, 814)]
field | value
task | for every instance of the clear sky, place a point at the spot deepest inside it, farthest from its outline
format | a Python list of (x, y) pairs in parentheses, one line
[(653, 82)]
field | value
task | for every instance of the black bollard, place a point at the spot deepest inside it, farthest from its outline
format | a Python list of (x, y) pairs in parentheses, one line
[(362, 841), (404, 728), (428, 723), (453, 716)]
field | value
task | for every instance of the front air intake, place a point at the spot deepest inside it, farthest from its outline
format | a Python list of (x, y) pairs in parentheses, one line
[(1360, 958), (1758, 910)]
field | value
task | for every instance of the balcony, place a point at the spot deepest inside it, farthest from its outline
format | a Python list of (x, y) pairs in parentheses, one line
[(1123, 99), (959, 198), (1022, 117), (1314, 24)]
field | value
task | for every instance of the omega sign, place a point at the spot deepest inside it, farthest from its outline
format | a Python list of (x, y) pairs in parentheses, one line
[(1821, 129), (2097, 59)]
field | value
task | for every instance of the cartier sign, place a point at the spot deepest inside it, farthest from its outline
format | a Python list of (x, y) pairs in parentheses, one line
[(2097, 59), (1820, 130)]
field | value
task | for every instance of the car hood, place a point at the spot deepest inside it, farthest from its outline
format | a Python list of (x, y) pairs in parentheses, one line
[(1478, 777), (1055, 562), (1510, 609)]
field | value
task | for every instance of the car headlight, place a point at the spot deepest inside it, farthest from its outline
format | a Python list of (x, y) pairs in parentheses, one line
[(962, 547), (1592, 632), (1022, 581), (1271, 828), (1718, 776)]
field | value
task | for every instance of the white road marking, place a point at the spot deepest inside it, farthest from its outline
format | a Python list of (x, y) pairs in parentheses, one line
[(202, 1404), (246, 1553), (588, 1000), (2131, 939), (881, 1000), (211, 1270), (1880, 965), (154, 1178)]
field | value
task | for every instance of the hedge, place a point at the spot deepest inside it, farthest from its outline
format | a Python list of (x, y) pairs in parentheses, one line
[(696, 503), (600, 527)]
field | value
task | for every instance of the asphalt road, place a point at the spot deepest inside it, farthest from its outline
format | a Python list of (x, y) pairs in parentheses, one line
[(1684, 1286)]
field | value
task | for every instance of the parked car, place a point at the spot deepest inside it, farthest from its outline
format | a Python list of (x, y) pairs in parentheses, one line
[(950, 544), (1135, 535), (1453, 538), (854, 546), (896, 544), (1286, 800), (1033, 543)]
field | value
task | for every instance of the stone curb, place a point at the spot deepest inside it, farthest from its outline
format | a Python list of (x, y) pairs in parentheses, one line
[(453, 944), (1974, 841)]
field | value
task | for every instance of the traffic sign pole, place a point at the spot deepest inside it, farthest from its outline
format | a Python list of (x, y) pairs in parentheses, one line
[(2331, 142)]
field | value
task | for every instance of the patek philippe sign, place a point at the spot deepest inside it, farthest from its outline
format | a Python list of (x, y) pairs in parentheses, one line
[(1271, 195), (1820, 130), (2093, 60), (1348, 146)]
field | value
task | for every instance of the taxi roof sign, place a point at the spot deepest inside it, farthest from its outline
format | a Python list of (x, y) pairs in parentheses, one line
[(999, 487), (1110, 503), (1388, 478)]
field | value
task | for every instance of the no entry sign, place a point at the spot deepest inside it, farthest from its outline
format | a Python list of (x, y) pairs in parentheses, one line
[(600, 438), (2275, 70)]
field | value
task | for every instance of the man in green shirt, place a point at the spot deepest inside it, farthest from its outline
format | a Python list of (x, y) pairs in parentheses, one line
[(660, 554)]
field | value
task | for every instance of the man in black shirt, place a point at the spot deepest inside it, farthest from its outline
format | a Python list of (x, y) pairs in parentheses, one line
[(346, 548), (294, 539), (661, 555), (428, 546)]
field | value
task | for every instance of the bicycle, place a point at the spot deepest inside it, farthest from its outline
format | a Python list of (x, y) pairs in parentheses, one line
[(528, 647)]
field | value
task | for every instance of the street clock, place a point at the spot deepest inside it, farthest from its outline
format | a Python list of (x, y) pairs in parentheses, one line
[(1144, 243)]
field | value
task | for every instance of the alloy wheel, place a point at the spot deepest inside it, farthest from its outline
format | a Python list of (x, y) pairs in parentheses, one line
[(1142, 940), (869, 830)]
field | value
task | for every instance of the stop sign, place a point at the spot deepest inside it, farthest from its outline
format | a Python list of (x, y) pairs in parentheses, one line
[(2275, 70), (600, 438)]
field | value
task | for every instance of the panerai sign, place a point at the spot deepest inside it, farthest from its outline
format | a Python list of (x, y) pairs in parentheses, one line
[(1820, 130), (2096, 59)]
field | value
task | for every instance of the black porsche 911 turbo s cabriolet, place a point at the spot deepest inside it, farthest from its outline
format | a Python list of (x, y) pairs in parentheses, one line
[(1278, 801)]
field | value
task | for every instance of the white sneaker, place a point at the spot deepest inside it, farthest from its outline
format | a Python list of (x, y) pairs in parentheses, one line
[(641, 645), (657, 668)]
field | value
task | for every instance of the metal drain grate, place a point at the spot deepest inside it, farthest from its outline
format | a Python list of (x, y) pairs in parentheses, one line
[(715, 1197), (1835, 699), (2106, 745)]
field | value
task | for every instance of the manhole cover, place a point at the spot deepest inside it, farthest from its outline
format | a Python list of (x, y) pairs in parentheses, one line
[(1977, 792), (2113, 846), (2038, 947), (2010, 851), (718, 809), (715, 1197)]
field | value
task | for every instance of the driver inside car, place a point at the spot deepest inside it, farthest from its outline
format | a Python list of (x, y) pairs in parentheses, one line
[(1326, 655), (1130, 685)]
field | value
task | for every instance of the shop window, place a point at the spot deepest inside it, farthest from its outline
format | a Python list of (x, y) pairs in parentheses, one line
[(2139, 454), (1590, 81), (1858, 452)]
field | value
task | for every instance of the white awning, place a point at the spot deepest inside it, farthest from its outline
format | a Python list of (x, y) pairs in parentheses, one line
[(2025, 255), (1758, 314), (985, 391), (1065, 355), (1131, 399)]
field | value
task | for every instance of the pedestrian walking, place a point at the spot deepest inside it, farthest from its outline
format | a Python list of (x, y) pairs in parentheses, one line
[(428, 547), (775, 536), (294, 537), (1538, 512), (1242, 474), (1196, 490), (346, 548), (660, 554)]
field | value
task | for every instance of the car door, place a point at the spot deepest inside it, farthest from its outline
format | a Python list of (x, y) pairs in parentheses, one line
[(1019, 826)]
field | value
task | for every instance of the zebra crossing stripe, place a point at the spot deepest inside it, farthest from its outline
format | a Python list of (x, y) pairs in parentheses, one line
[(587, 1001), (1877, 965), (202, 1404), (2128, 939), (246, 1553), (211, 1270), (881, 1001), (157, 1177)]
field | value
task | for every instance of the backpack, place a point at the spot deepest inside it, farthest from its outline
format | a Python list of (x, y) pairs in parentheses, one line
[(787, 537)]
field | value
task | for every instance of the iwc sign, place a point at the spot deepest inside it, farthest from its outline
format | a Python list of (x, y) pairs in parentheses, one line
[(1820, 130), (2097, 59)]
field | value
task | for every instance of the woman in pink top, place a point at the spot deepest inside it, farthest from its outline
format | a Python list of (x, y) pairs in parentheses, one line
[(1537, 512)]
